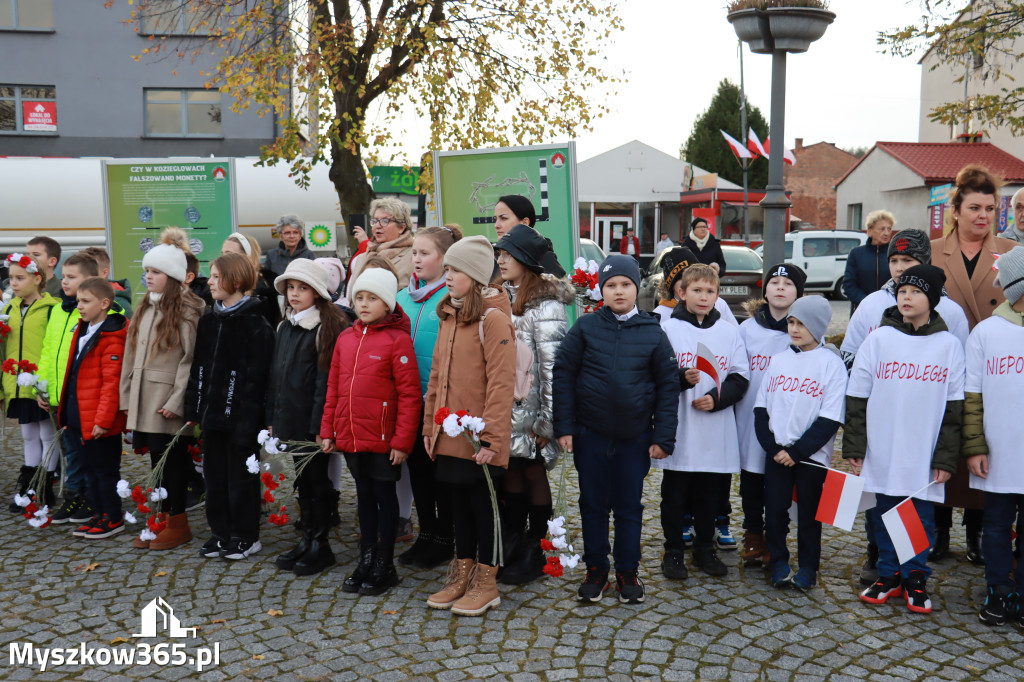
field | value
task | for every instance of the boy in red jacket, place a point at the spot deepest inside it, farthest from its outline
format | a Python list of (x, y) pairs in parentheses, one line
[(372, 415), (89, 408)]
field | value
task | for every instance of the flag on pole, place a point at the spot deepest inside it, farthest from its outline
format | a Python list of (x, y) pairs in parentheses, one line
[(707, 363), (905, 530), (787, 154), (840, 499), (754, 144), (738, 149)]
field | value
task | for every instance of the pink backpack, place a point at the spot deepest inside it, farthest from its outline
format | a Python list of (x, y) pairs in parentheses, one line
[(524, 363)]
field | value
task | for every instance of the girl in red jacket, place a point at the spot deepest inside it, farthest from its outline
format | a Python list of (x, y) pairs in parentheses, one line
[(90, 401), (371, 414)]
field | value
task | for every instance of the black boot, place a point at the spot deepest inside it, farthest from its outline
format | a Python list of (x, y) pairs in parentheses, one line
[(335, 518), (24, 476), (362, 570), (319, 556), (286, 562), (411, 555), (440, 551), (869, 571), (530, 565), (706, 559), (974, 554), (383, 576), (49, 497), (513, 532), (941, 547)]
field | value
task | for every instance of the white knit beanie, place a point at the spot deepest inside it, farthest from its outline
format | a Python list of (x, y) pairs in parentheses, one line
[(168, 259), (379, 282)]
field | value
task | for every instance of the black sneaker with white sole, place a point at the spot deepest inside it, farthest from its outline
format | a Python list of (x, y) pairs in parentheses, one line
[(994, 612), (915, 593), (883, 589), (594, 585), (72, 503), (211, 548), (238, 549), (631, 588), (106, 527)]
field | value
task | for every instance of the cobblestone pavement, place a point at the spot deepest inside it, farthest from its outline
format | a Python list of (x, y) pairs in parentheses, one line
[(57, 591)]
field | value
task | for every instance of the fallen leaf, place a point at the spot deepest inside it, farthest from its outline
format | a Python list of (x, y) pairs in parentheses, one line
[(219, 620), (389, 613), (257, 657), (118, 640), (275, 612), (159, 574), (85, 568)]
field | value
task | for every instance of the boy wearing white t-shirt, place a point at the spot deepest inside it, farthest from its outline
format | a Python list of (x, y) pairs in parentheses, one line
[(904, 408), (798, 409), (707, 449), (764, 333), (992, 435)]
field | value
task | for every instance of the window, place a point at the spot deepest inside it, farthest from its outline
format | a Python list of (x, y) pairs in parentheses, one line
[(28, 109), (819, 246), (789, 250), (847, 245), (26, 15), (178, 17), (855, 216), (183, 113)]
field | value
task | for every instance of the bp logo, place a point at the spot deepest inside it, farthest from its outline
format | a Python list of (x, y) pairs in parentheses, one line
[(319, 236)]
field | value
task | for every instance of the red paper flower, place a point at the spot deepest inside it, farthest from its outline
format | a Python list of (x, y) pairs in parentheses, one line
[(25, 261), (144, 509), (439, 416), (279, 519), (280, 476), (26, 366), (267, 497), (31, 509), (156, 523), (546, 545), (553, 567), (138, 497), (462, 413), (268, 481), (10, 366)]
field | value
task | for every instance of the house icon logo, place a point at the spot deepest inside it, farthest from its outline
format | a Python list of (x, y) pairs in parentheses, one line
[(159, 613)]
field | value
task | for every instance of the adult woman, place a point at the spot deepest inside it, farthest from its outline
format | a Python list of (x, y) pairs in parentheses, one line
[(705, 246), (867, 267), (391, 224), (515, 209), (263, 288), (291, 247), (966, 254)]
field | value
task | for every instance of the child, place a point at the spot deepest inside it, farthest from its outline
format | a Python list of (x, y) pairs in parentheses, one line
[(798, 410), (335, 275), (708, 448), (295, 401), (764, 333), (89, 409), (46, 252), (158, 360), (539, 317), (436, 541), (195, 281), (28, 313), (615, 394), (53, 362), (226, 396), (122, 287), (371, 414), (672, 265), (903, 413), (472, 369), (992, 434), (263, 290)]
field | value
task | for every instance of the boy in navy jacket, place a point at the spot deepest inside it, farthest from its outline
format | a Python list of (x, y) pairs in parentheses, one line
[(616, 390)]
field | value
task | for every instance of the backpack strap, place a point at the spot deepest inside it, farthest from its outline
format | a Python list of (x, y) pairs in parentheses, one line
[(481, 328)]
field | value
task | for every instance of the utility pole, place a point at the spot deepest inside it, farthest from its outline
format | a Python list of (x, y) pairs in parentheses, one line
[(745, 162)]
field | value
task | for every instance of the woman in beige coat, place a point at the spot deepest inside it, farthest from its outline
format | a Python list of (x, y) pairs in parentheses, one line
[(158, 358), (391, 229)]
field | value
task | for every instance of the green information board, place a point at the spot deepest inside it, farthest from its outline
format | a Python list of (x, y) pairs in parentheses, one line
[(143, 196), (467, 185)]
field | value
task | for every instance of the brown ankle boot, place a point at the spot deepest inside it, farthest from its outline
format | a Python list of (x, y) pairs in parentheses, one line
[(456, 583), (482, 593), (176, 533), (754, 549), (139, 543)]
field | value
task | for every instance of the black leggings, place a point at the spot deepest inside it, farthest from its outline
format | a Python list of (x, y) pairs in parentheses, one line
[(378, 510), (432, 497), (972, 518), (474, 522), (176, 468)]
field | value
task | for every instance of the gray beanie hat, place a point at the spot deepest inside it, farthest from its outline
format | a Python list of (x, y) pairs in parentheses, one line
[(473, 256), (911, 242), (813, 312), (1011, 273)]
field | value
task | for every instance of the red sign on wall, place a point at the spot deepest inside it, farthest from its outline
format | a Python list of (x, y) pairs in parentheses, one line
[(40, 116), (936, 217)]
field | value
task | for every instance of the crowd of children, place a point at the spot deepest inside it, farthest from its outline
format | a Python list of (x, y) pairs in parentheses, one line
[(483, 330)]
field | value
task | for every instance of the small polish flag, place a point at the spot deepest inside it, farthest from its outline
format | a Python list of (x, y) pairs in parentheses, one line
[(754, 144), (707, 363), (840, 499), (787, 154), (905, 530), (737, 147)]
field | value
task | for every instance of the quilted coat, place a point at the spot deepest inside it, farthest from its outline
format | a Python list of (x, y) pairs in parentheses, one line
[(98, 377), (541, 328), (25, 342), (298, 387), (423, 317), (53, 361), (373, 391)]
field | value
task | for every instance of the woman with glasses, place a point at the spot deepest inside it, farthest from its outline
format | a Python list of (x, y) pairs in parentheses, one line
[(291, 247), (391, 238)]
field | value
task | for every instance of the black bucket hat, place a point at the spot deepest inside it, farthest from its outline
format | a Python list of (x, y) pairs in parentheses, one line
[(526, 245)]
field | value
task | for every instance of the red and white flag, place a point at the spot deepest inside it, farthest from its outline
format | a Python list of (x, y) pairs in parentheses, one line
[(840, 499), (754, 144), (787, 154), (707, 363), (737, 147), (905, 530)]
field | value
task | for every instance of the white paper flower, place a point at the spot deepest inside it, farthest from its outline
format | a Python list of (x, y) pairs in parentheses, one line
[(252, 465), (473, 424), (559, 542), (592, 267), (262, 438), (43, 513), (146, 535), (569, 561), (5, 318), (555, 527), (580, 264), (158, 494), (124, 488), (266, 466), (22, 500), (42, 386), (595, 294), (26, 379), (37, 522), (129, 518), (451, 425), (271, 446)]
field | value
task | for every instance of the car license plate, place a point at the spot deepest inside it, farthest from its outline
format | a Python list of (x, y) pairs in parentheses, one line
[(733, 291)]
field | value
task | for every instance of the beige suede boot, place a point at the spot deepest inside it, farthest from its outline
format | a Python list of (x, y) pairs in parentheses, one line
[(456, 583), (482, 593)]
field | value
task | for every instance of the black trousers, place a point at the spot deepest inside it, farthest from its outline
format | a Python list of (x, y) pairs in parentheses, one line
[(378, 510), (474, 522), (697, 490), (779, 482), (101, 461), (233, 495), (432, 497), (752, 497), (176, 468)]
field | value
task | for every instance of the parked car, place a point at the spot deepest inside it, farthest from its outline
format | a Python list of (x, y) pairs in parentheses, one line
[(822, 254), (591, 251), (742, 281)]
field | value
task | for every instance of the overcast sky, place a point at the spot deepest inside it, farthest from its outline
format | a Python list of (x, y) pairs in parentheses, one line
[(843, 90)]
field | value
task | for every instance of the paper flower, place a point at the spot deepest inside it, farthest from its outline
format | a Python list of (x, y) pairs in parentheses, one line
[(26, 379), (556, 527), (441, 415), (451, 426), (553, 567), (546, 545), (262, 438), (252, 465), (559, 542), (146, 535), (130, 518), (569, 561), (124, 489), (158, 494), (22, 500)]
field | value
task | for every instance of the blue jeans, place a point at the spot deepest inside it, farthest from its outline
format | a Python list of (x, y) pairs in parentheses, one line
[(74, 474), (611, 476), (888, 563), (1001, 511)]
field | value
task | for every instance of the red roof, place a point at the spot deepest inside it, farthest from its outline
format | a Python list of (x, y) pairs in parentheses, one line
[(938, 162)]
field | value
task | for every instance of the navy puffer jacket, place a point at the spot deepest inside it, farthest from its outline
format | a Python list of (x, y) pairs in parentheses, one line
[(618, 378), (867, 269)]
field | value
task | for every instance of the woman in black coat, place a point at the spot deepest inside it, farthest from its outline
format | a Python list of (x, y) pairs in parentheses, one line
[(705, 245)]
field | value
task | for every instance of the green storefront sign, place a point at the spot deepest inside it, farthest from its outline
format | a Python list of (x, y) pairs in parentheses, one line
[(143, 196), (467, 185), (394, 180)]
